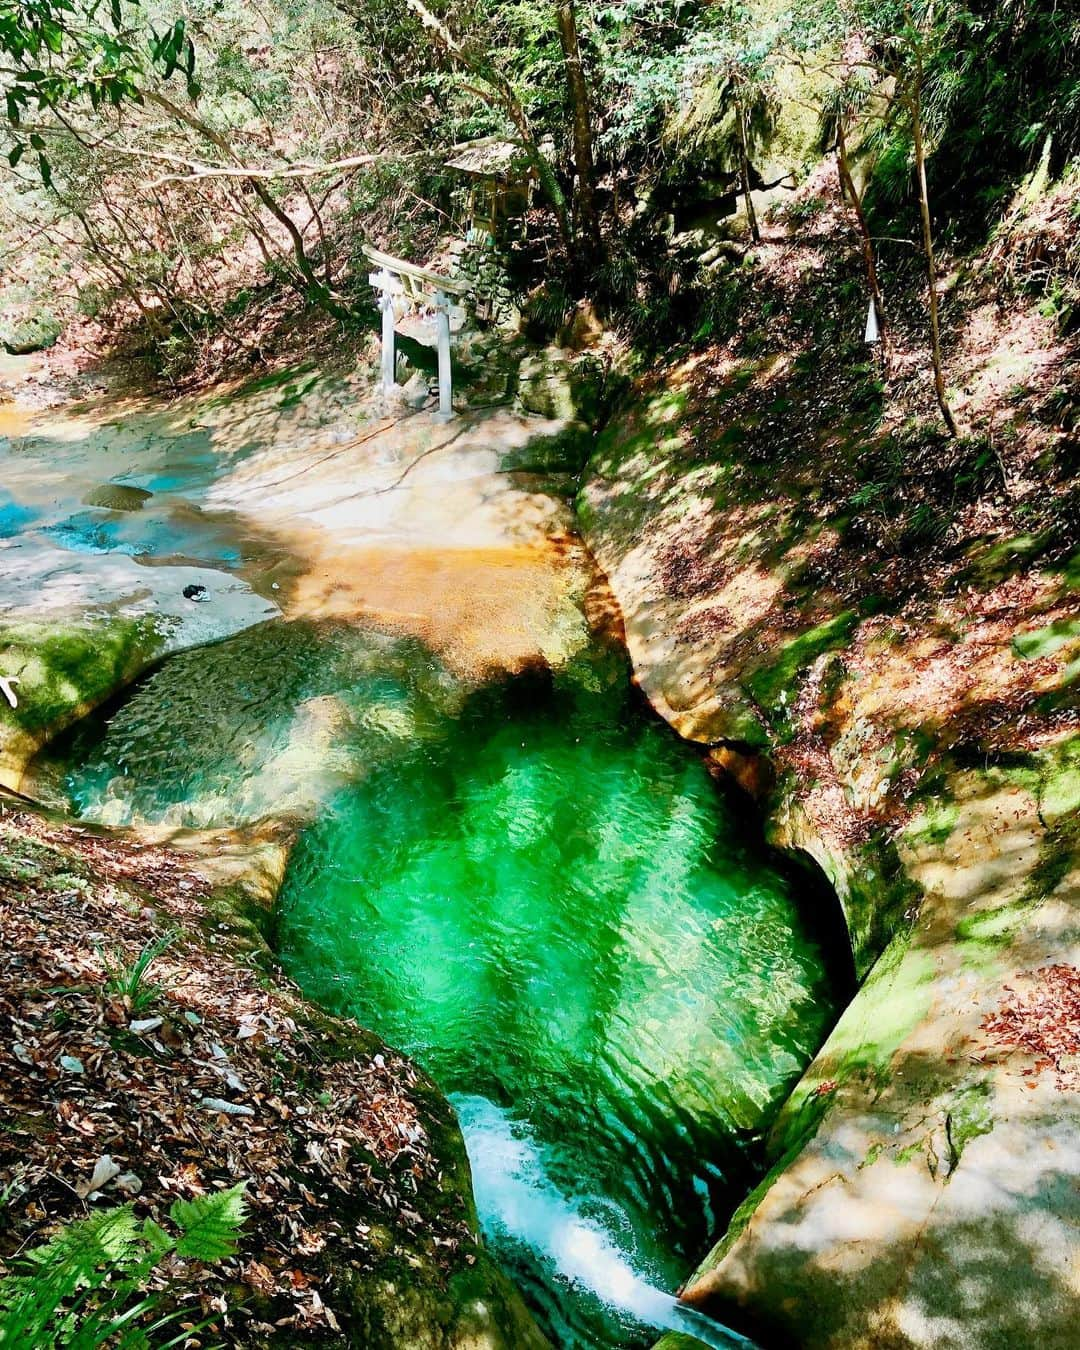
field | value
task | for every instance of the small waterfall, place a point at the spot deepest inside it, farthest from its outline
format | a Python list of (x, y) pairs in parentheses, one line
[(517, 1199)]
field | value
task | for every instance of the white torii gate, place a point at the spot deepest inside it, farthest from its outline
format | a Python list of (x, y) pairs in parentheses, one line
[(419, 285)]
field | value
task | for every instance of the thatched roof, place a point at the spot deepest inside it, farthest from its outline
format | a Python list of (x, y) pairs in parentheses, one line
[(491, 157)]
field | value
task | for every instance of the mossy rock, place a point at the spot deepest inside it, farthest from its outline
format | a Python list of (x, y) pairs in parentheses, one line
[(64, 669), (117, 497), (564, 451), (555, 385), (472, 1308), (34, 334)]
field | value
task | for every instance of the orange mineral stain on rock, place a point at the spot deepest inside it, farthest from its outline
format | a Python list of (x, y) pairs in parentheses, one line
[(483, 610), (13, 421)]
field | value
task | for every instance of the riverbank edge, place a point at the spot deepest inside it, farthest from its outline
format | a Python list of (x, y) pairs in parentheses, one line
[(885, 1160), (430, 1284)]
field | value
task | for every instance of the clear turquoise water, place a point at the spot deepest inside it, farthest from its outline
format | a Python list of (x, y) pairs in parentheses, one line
[(553, 910), (540, 893)]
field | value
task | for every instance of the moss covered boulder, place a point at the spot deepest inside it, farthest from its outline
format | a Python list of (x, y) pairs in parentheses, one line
[(75, 627), (34, 333), (558, 384)]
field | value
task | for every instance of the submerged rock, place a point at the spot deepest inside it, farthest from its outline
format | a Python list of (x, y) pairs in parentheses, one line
[(75, 627), (117, 497)]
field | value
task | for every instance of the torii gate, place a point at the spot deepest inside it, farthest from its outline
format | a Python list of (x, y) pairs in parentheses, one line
[(418, 284)]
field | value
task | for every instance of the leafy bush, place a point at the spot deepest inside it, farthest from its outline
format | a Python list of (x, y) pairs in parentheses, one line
[(87, 1286)]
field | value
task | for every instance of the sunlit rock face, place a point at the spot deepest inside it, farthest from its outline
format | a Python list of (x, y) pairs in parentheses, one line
[(925, 751)]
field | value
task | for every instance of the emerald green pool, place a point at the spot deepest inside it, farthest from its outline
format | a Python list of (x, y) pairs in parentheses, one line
[(540, 893), (553, 910)]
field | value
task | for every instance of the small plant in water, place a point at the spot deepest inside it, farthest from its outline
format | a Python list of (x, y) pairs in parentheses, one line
[(126, 980)]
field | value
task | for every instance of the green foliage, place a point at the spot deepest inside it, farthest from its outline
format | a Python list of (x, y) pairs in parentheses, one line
[(88, 1285), (126, 981), (548, 308), (64, 51), (674, 87), (912, 485), (805, 211), (209, 1225)]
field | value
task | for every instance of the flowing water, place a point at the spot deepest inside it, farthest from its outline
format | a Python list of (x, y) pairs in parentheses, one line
[(536, 890), (526, 881)]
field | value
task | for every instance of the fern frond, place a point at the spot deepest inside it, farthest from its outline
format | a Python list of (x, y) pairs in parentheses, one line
[(105, 1238), (209, 1226), (86, 1286)]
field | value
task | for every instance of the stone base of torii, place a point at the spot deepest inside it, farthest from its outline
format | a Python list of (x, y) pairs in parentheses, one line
[(394, 279)]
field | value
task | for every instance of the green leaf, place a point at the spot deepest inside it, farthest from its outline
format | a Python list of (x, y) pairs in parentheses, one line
[(209, 1225), (46, 170), (108, 1236), (16, 154), (156, 1236), (53, 35)]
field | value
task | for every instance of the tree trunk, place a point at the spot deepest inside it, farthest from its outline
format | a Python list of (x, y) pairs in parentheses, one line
[(500, 94), (931, 268), (847, 185), (744, 171), (584, 160)]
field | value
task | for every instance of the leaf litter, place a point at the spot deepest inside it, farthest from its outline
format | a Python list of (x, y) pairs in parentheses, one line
[(228, 1077)]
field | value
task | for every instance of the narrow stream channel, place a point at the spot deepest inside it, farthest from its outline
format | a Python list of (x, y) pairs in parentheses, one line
[(536, 890)]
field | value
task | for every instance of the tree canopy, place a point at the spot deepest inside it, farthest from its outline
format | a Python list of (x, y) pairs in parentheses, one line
[(182, 148)]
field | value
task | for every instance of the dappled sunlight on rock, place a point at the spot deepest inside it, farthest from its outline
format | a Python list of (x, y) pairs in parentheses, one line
[(929, 1147)]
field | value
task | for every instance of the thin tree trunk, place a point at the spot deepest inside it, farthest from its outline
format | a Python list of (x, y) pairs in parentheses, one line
[(499, 93), (584, 159), (847, 185), (744, 171), (118, 271), (931, 267), (316, 218)]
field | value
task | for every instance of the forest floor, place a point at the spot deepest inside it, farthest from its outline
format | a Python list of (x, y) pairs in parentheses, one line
[(210, 1071)]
